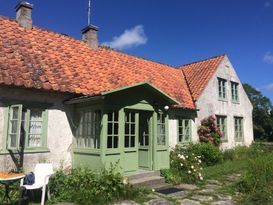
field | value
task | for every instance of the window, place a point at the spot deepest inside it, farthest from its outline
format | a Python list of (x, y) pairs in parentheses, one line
[(26, 127), (112, 130), (221, 122), (130, 129), (238, 127), (234, 92), (161, 134), (222, 89), (88, 129), (184, 130)]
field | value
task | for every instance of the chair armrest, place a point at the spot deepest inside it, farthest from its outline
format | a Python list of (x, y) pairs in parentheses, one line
[(47, 178)]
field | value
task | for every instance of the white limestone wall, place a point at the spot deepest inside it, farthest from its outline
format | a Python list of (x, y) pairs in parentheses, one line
[(173, 125), (208, 104), (59, 135)]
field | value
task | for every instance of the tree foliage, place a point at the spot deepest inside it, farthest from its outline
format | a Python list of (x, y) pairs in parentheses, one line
[(262, 113)]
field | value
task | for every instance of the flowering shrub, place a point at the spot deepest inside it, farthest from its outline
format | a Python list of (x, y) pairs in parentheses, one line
[(186, 164), (208, 131)]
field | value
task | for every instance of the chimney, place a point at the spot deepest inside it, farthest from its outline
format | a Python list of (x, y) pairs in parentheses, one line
[(90, 36), (23, 14)]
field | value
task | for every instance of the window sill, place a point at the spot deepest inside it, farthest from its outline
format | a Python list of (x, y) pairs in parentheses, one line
[(223, 100), (26, 151), (87, 151), (235, 102)]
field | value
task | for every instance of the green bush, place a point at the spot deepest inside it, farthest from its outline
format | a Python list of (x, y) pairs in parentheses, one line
[(257, 183), (243, 152), (211, 155), (83, 186)]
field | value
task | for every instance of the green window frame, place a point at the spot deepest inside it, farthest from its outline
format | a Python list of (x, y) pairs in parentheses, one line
[(221, 122), (238, 129), (130, 130), (184, 130), (235, 92), (26, 127), (222, 94), (161, 129), (88, 128), (112, 130)]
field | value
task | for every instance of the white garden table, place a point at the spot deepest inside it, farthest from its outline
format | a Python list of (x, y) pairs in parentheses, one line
[(7, 179)]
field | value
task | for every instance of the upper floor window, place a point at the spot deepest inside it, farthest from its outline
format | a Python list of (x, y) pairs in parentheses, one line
[(238, 128), (161, 129), (221, 122), (184, 130), (88, 129), (222, 89), (26, 127), (235, 92)]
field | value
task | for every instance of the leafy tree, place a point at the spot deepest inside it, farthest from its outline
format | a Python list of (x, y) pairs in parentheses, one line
[(262, 113)]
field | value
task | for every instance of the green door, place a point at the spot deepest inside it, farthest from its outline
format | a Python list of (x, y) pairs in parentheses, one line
[(145, 141), (131, 141)]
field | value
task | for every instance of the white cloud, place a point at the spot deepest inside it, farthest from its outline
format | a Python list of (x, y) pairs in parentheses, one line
[(269, 87), (130, 38), (267, 4), (268, 58)]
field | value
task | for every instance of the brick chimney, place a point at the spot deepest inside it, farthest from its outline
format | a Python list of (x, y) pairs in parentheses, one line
[(90, 36), (23, 14)]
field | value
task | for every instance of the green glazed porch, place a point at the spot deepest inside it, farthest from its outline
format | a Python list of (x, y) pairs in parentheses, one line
[(128, 126)]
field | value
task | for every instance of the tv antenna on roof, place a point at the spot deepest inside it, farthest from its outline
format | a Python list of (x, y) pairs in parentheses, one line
[(89, 12)]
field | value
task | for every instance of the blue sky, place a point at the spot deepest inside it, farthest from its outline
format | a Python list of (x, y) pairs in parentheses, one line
[(174, 32)]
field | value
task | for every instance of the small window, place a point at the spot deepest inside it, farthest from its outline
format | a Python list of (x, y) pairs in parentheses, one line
[(238, 127), (222, 126), (161, 131), (25, 127), (184, 130), (112, 130), (130, 130), (222, 89), (234, 92), (88, 129)]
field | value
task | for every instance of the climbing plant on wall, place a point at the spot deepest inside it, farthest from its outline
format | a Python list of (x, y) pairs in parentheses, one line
[(208, 131)]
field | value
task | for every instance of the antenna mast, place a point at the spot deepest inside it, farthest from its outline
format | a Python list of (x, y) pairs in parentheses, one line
[(89, 12)]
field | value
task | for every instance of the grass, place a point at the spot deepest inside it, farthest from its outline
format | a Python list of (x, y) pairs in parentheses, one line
[(220, 171)]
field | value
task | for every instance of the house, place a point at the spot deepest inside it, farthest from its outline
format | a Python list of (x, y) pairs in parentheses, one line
[(217, 90), (74, 103)]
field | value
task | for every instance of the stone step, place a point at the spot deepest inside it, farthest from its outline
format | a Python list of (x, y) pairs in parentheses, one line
[(144, 174), (160, 186), (147, 181)]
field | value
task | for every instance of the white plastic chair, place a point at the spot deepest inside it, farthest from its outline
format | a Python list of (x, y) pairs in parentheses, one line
[(42, 173)]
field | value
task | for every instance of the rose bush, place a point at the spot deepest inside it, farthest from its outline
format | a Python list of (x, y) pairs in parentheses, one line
[(208, 131)]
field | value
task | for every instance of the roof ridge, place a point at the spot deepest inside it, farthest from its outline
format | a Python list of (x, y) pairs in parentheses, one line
[(203, 60), (135, 56), (45, 29)]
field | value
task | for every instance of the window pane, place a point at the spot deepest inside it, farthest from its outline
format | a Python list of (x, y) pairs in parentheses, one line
[(15, 112), (116, 128), (12, 141), (127, 139), (132, 141), (13, 126), (110, 117), (115, 141)]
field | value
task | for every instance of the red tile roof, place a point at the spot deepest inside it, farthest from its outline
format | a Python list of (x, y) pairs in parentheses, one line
[(42, 59), (199, 73)]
